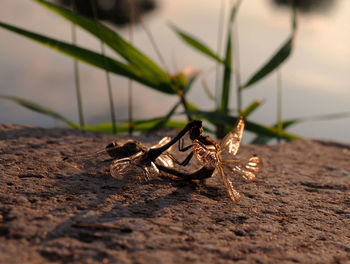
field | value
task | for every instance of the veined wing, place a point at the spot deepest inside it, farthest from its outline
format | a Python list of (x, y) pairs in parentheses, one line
[(135, 168), (162, 142), (96, 160), (232, 140), (164, 159), (139, 166), (247, 170), (232, 192), (88, 161)]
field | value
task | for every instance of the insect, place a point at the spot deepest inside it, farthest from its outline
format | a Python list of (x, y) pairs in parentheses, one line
[(210, 155), (133, 160)]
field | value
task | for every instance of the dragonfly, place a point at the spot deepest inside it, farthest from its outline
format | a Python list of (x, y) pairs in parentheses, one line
[(211, 156), (133, 160)]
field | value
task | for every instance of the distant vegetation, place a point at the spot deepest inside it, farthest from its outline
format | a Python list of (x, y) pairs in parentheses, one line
[(138, 67)]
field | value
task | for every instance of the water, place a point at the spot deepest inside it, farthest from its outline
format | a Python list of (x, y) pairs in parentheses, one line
[(315, 79)]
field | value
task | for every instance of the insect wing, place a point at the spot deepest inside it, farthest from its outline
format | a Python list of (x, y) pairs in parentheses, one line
[(138, 167), (232, 192), (164, 159), (88, 161), (232, 140), (134, 168), (162, 142), (248, 170)]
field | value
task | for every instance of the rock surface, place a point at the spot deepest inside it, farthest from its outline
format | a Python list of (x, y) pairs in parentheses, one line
[(297, 210)]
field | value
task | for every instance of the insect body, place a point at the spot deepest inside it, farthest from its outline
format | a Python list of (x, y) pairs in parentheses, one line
[(206, 149), (136, 162), (210, 155), (133, 160)]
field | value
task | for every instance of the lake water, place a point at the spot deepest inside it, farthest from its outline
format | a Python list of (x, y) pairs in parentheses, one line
[(315, 79)]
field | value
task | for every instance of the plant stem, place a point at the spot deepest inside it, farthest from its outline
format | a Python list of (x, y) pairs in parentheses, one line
[(137, 14), (130, 86), (219, 48), (76, 75), (108, 79), (237, 69), (130, 117), (279, 103)]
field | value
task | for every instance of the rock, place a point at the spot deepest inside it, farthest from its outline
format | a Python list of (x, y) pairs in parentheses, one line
[(297, 210)]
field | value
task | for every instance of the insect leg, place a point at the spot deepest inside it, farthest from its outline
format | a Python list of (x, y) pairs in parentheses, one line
[(181, 145), (200, 174), (233, 194), (184, 162), (156, 152)]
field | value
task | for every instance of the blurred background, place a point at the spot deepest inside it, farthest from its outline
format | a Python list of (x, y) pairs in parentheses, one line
[(315, 79)]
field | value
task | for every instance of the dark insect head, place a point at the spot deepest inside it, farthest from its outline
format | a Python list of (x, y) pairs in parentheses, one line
[(122, 151), (195, 132)]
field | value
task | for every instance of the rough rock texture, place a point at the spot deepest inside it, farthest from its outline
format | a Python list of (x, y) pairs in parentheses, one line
[(298, 210)]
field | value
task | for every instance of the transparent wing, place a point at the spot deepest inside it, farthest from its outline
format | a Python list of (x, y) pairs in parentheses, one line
[(162, 142), (247, 170), (232, 140), (134, 168), (125, 161), (164, 159), (138, 167), (95, 161), (232, 192)]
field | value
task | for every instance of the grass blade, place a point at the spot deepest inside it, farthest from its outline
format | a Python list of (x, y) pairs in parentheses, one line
[(290, 122), (225, 94), (250, 108), (218, 118), (260, 140), (196, 44), (145, 65), (277, 59), (40, 109), (281, 55), (139, 126), (94, 59)]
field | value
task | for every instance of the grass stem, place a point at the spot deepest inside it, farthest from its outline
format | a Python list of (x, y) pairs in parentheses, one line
[(130, 83), (136, 13), (76, 75), (219, 50), (237, 68), (279, 103), (108, 79)]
